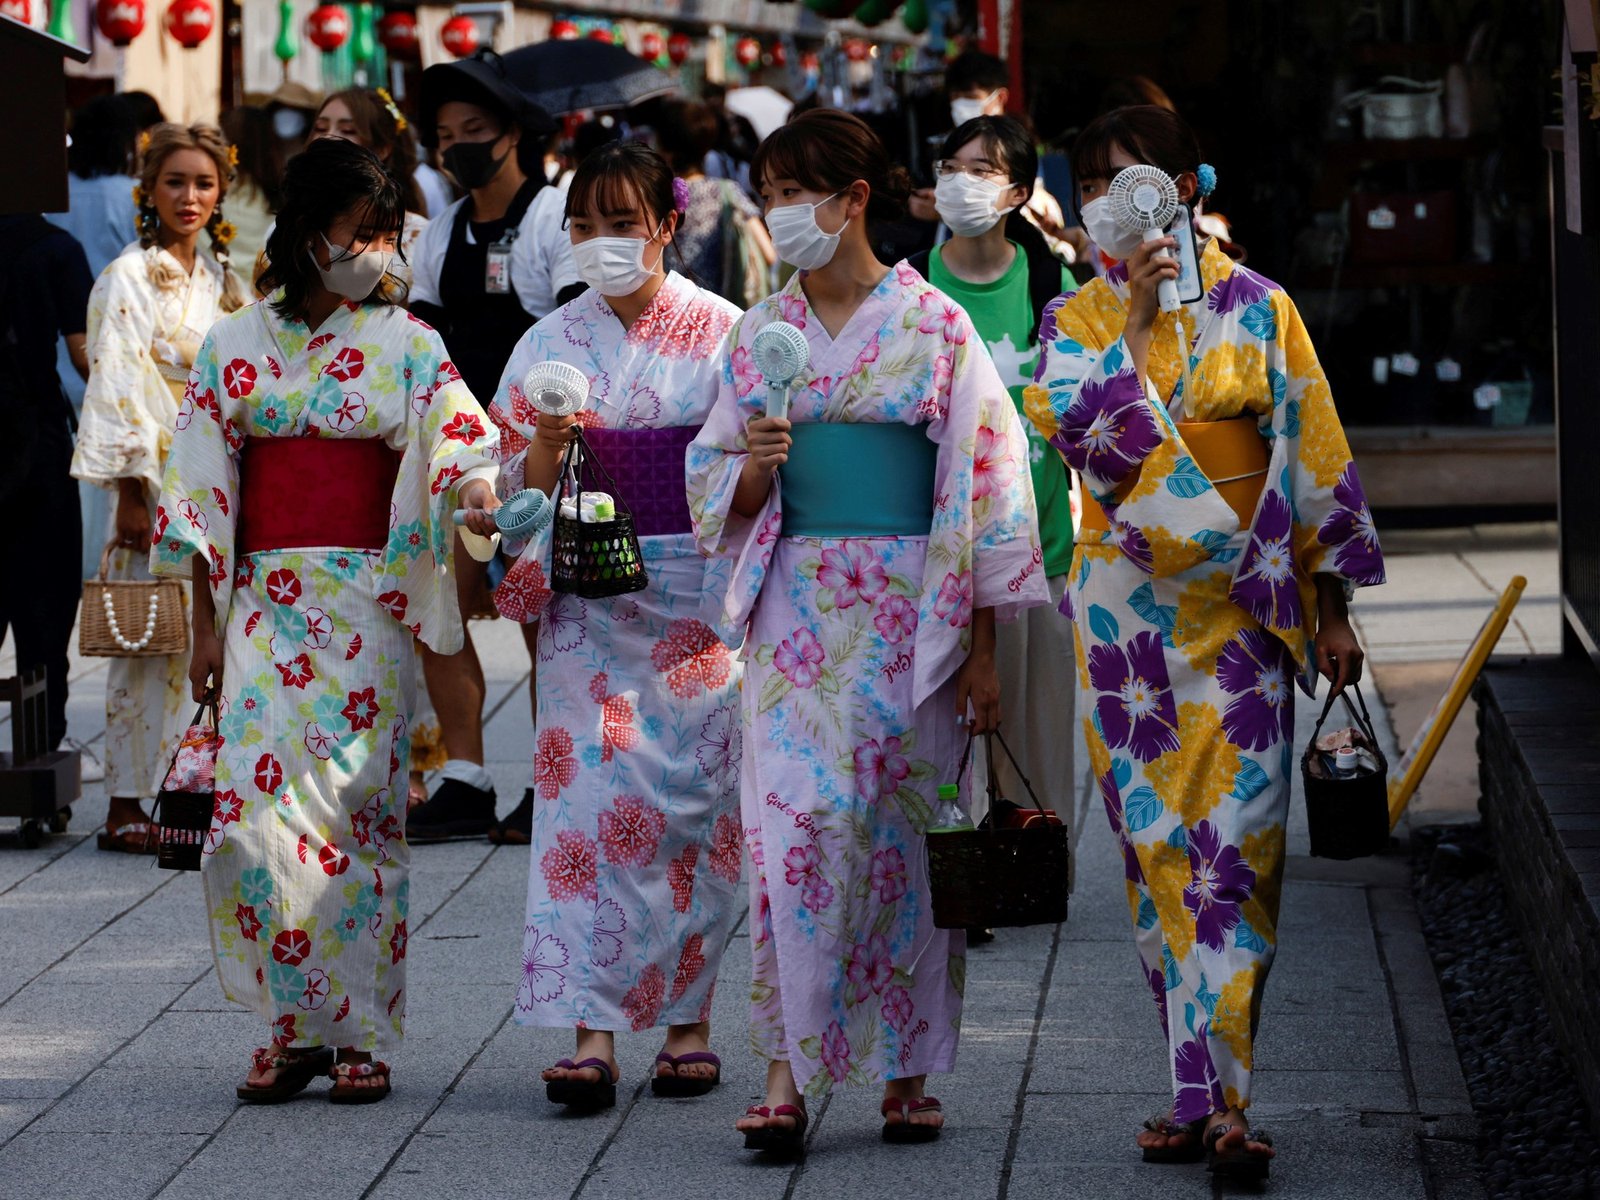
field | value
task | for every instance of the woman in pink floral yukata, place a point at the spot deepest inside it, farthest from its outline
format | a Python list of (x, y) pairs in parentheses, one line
[(875, 536)]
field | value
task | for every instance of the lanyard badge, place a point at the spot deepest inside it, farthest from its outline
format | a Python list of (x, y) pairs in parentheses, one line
[(497, 265)]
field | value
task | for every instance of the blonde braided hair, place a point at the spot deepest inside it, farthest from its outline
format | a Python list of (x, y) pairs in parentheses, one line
[(155, 147)]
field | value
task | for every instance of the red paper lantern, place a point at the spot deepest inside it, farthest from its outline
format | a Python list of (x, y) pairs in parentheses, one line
[(678, 47), (460, 36), (17, 10), (190, 22), (600, 34), (856, 50), (563, 30), (397, 32), (778, 56), (747, 51), (328, 27), (651, 45), (120, 20)]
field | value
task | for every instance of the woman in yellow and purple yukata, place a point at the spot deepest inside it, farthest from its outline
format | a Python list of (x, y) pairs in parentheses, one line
[(1224, 531)]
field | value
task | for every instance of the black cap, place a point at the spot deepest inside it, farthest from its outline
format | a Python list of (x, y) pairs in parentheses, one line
[(478, 80)]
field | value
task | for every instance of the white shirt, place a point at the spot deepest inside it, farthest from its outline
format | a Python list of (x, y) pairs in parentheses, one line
[(541, 257)]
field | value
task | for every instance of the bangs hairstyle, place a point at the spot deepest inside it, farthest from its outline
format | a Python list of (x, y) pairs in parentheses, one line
[(621, 177), (1150, 134), (329, 179), (1006, 145), (826, 150)]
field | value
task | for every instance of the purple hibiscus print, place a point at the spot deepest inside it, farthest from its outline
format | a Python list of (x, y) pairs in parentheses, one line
[(1158, 986), (1109, 427), (1243, 287), (1349, 527), (1135, 547), (1254, 670), (1264, 585), (1112, 795), (1219, 883), (1135, 704), (1199, 1090)]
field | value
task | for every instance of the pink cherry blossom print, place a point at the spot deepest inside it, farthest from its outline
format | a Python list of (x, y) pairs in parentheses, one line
[(544, 961), (870, 968), (897, 1008), (793, 309), (554, 767), (693, 658), (800, 863), (641, 1004), (816, 893), (569, 867), (799, 658), (854, 573), (630, 832)]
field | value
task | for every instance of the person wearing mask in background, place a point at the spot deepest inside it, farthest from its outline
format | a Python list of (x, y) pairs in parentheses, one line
[(44, 295), (147, 315), (871, 546), (257, 185), (986, 170), (291, 108), (486, 269), (720, 239), (637, 755)]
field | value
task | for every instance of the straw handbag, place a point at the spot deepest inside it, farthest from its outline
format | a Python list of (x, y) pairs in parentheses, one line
[(131, 618)]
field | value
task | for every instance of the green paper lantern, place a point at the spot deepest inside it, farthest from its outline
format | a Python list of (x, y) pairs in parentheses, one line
[(832, 9), (286, 46), (61, 21), (876, 12), (364, 41), (914, 16)]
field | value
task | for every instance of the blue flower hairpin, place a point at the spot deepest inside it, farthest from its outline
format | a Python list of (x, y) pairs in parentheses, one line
[(1206, 177)]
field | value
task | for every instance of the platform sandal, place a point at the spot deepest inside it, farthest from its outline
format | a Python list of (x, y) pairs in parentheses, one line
[(1243, 1164), (1191, 1151), (783, 1143), (686, 1085), (583, 1093), (347, 1091), (903, 1132), (295, 1072)]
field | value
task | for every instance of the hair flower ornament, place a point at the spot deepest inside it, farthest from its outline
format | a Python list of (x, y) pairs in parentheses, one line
[(394, 109), (1206, 177), (680, 194)]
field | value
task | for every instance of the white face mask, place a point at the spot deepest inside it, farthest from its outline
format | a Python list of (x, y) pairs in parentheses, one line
[(963, 110), (614, 266), (970, 206), (1106, 231), (797, 237), (352, 276)]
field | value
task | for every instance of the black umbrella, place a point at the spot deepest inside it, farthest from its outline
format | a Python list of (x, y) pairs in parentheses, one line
[(568, 75)]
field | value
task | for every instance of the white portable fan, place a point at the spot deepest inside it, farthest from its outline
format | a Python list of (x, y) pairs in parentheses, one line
[(556, 388), (1146, 198), (780, 352)]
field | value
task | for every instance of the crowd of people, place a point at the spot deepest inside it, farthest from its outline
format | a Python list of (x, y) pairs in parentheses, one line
[(300, 366)]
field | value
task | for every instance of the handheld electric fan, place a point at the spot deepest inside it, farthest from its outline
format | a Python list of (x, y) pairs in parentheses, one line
[(556, 388), (780, 352), (520, 517), (1145, 198)]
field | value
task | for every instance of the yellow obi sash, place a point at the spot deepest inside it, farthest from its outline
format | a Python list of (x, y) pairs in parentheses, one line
[(1233, 456)]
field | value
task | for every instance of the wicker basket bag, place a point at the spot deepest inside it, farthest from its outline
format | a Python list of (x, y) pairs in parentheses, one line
[(1006, 872), (131, 618), (593, 559)]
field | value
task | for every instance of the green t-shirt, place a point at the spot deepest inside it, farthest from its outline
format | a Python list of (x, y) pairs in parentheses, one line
[(1002, 311)]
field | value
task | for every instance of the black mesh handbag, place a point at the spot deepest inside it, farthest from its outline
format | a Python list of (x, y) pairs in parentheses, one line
[(1348, 815)]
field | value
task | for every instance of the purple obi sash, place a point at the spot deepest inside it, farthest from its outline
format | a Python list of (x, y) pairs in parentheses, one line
[(648, 465)]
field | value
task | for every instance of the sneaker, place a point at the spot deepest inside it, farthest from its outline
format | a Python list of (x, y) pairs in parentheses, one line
[(517, 828), (455, 812), (89, 764)]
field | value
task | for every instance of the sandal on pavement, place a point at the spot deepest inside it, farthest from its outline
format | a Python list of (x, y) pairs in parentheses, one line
[(136, 837), (583, 1093), (517, 828), (295, 1071), (903, 1132), (686, 1085), (784, 1142), (1242, 1164), (1190, 1152), (347, 1091)]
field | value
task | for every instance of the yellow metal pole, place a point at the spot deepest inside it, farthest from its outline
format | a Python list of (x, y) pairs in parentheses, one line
[(1419, 756)]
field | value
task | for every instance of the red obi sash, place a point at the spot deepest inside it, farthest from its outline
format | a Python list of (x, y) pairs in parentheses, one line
[(314, 491)]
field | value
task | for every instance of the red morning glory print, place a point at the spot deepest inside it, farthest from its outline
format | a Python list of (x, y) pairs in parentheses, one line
[(394, 603), (283, 1032), (397, 943), (291, 947), (1254, 670), (227, 806), (445, 479), (239, 378), (464, 428), (249, 923), (334, 860), (318, 342), (1135, 703), (269, 774), (283, 586), (362, 708), (1221, 881), (692, 657), (297, 672), (346, 365)]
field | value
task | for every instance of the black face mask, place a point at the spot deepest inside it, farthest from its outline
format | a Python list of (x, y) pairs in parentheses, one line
[(473, 163)]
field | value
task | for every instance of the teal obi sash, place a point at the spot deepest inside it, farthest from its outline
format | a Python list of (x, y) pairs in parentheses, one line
[(858, 479)]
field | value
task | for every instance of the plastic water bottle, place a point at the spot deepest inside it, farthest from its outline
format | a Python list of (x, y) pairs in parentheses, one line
[(949, 816), (1346, 763)]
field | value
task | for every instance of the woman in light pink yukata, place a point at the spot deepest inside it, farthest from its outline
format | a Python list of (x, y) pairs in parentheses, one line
[(875, 537)]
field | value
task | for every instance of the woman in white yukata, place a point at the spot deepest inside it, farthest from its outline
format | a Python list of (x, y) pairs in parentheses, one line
[(147, 313), (632, 887), (875, 537), (320, 449)]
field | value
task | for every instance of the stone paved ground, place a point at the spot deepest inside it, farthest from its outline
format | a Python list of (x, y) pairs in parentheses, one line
[(118, 1054)]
